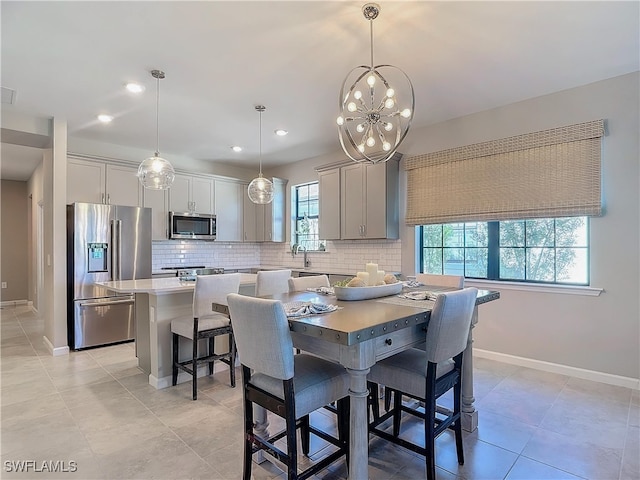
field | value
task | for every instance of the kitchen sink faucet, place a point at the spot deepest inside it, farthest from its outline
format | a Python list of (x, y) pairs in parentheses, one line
[(307, 262)]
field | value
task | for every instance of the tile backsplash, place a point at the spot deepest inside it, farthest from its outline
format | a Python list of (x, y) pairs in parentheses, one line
[(340, 256)]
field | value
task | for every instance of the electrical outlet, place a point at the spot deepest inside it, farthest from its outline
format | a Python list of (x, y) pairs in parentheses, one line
[(4, 284)]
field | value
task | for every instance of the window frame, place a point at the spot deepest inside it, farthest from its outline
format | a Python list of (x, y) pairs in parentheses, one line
[(296, 217), (493, 254)]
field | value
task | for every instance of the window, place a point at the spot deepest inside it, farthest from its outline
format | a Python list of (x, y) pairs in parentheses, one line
[(550, 250), (306, 216)]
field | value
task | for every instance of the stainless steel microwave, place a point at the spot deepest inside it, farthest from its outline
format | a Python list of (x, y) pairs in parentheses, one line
[(192, 226)]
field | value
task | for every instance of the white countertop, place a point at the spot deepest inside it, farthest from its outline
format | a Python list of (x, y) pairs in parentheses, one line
[(162, 286)]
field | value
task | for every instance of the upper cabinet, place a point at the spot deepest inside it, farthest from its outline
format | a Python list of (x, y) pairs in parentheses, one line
[(157, 201), (359, 201), (229, 210), (96, 181), (274, 227), (266, 223), (329, 207), (192, 193)]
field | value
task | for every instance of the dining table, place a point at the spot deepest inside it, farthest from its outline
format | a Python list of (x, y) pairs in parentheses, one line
[(358, 334)]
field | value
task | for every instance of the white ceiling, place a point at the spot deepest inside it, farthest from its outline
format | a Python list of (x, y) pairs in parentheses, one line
[(71, 60)]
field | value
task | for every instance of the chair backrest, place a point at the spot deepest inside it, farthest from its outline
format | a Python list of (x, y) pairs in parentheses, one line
[(261, 332), (213, 289), (272, 282), (450, 322), (456, 281), (297, 284)]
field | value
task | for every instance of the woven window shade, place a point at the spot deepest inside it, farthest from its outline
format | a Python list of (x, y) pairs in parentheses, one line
[(552, 173)]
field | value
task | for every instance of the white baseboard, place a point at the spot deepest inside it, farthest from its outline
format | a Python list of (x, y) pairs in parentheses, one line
[(55, 351), (608, 378), (13, 303), (203, 371)]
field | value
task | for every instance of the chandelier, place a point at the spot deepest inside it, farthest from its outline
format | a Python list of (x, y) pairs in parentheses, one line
[(260, 189), (375, 114), (155, 172)]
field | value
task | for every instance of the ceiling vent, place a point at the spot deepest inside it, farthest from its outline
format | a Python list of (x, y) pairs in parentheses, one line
[(8, 96)]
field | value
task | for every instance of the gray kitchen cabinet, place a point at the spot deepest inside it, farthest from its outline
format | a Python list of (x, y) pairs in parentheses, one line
[(329, 206), (266, 223), (358, 200), (274, 227), (369, 201), (249, 220), (98, 181), (229, 210), (157, 201), (191, 193)]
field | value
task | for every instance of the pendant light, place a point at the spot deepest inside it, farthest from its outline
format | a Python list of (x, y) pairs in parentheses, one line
[(156, 173), (260, 189), (376, 107)]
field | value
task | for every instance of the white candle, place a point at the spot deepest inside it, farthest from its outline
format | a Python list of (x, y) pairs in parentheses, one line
[(380, 276), (364, 276), (372, 270)]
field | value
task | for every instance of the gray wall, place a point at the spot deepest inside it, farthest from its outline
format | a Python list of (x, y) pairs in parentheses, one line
[(595, 333), (14, 240), (598, 333)]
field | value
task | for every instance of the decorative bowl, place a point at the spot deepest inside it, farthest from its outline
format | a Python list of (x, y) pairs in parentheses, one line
[(366, 293)]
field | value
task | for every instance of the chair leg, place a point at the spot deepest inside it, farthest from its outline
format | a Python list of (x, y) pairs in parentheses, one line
[(429, 440), (232, 360), (212, 350), (194, 363), (397, 412), (387, 398), (374, 401), (248, 443), (305, 434), (176, 359), (457, 426), (344, 406)]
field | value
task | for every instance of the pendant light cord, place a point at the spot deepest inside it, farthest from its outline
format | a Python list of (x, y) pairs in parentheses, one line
[(157, 116), (371, 35)]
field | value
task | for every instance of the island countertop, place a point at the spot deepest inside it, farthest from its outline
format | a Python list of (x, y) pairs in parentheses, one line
[(163, 286)]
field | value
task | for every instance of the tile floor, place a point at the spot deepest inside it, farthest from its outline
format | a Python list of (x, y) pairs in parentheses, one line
[(96, 409)]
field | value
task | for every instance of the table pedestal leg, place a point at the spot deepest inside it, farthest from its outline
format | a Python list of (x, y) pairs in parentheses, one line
[(469, 412), (261, 426), (358, 425)]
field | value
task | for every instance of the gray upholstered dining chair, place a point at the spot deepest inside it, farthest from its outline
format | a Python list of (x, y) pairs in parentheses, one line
[(453, 281), (456, 281), (291, 386), (297, 284), (205, 323), (272, 282), (426, 375)]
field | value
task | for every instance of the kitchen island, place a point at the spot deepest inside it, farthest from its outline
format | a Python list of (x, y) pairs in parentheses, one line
[(157, 302)]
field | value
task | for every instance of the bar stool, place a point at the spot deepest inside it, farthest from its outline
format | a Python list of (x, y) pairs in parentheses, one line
[(291, 386), (297, 284), (272, 282), (206, 323), (427, 375)]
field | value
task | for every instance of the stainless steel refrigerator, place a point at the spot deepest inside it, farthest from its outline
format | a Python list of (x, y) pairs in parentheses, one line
[(104, 243)]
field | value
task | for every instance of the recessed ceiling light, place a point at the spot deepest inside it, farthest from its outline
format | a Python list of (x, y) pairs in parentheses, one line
[(134, 87), (281, 133), (236, 148), (105, 118)]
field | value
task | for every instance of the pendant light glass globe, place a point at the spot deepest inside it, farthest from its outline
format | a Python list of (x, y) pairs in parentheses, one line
[(260, 189), (156, 173)]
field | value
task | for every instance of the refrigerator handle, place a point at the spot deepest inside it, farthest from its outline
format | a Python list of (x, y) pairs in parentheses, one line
[(119, 247), (116, 249)]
